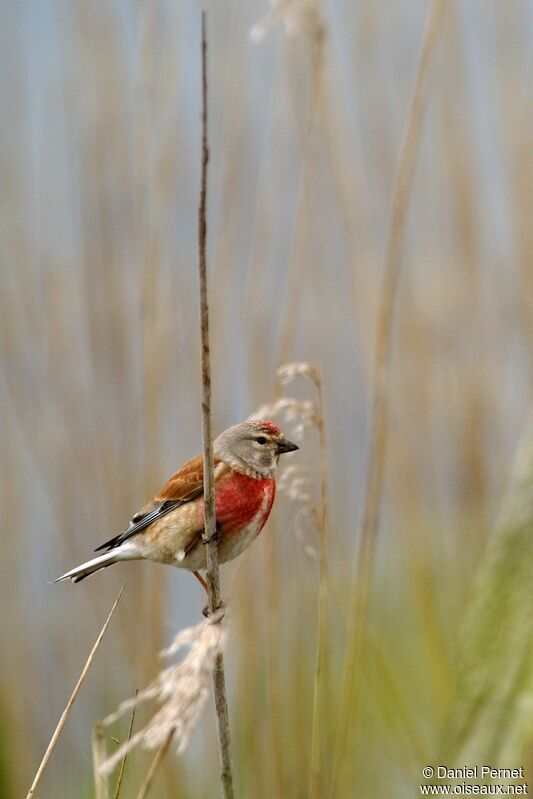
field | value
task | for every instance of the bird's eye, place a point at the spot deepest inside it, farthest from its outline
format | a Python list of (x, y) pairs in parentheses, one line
[(261, 440)]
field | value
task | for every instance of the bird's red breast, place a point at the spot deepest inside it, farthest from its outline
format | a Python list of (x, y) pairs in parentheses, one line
[(240, 500)]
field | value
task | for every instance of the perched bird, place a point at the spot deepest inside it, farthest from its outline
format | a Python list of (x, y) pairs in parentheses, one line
[(169, 528)]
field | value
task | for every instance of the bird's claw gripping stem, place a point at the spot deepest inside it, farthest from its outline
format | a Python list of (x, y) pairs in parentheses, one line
[(217, 535), (205, 609)]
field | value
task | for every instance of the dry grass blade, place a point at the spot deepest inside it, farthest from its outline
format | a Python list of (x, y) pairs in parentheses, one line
[(128, 739), (64, 716), (180, 690), (101, 787)]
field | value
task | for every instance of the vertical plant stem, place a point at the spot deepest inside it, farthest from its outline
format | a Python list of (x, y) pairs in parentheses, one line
[(316, 778), (381, 369), (64, 716), (209, 537)]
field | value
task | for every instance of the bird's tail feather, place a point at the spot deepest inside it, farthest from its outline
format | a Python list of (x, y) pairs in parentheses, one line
[(100, 562)]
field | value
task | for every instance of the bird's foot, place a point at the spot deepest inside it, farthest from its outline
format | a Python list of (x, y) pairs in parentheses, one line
[(217, 535), (207, 614)]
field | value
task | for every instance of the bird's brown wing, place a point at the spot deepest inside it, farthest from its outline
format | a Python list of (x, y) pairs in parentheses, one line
[(185, 485)]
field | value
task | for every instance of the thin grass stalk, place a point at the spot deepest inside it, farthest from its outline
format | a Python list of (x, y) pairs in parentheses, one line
[(315, 39), (318, 688), (64, 716), (209, 536), (123, 764), (381, 369), (99, 750)]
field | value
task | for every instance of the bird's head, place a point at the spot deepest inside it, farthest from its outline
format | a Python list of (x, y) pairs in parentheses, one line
[(252, 447)]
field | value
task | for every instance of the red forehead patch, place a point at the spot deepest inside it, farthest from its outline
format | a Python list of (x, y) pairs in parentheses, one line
[(269, 427)]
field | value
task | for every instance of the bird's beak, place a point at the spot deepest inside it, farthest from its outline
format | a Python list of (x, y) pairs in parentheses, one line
[(284, 445)]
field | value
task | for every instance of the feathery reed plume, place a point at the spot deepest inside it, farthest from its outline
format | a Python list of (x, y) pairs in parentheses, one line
[(295, 481), (181, 690), (296, 15), (302, 416)]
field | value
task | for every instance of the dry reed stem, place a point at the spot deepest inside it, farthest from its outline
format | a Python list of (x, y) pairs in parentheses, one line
[(384, 329), (209, 537), (382, 354), (316, 740), (62, 721), (99, 750)]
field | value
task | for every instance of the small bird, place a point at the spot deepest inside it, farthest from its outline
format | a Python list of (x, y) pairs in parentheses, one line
[(169, 529)]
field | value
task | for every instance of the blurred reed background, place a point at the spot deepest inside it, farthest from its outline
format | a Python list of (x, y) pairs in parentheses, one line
[(100, 387)]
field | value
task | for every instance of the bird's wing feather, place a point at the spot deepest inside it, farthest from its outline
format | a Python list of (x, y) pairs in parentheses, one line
[(185, 485)]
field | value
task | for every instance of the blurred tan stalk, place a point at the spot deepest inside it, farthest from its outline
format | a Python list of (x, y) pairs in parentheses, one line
[(101, 786), (382, 356)]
